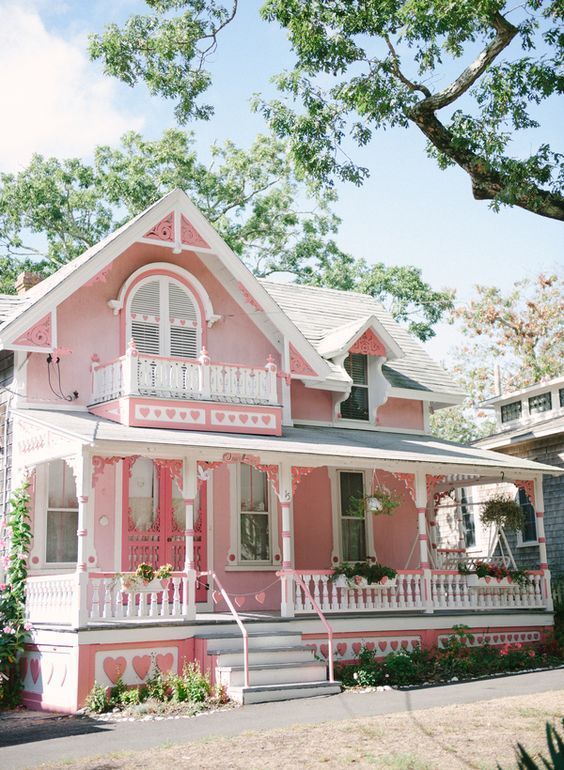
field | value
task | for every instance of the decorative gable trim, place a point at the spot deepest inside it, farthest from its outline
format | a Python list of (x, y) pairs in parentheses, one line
[(163, 230), (39, 338), (369, 345), (189, 236), (298, 365)]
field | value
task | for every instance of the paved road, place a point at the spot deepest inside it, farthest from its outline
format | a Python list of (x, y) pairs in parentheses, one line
[(27, 741)]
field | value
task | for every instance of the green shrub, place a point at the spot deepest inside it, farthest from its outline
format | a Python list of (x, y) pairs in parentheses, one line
[(555, 749), (130, 697), (97, 700)]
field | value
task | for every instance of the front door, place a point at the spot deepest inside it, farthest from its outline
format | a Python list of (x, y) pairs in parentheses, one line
[(155, 527)]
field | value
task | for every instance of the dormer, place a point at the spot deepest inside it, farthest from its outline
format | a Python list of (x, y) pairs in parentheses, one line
[(529, 406), (361, 347)]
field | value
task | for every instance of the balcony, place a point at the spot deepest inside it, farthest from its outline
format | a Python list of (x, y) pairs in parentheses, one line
[(189, 394)]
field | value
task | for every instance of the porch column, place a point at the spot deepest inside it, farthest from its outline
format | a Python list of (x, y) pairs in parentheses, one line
[(189, 492), (541, 537), (81, 466), (285, 497), (421, 507)]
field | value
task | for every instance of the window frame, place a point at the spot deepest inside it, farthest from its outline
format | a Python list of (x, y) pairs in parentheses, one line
[(237, 564), (337, 549), (42, 505), (367, 386), (521, 542), (164, 325)]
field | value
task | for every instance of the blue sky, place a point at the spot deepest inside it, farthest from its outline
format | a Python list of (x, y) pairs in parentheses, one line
[(408, 212)]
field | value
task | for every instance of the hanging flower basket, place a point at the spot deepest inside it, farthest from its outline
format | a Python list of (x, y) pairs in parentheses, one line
[(504, 513)]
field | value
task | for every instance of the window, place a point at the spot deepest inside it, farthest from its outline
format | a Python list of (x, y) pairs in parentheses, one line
[(353, 516), (540, 403), (143, 494), (529, 531), (254, 516), (512, 411), (163, 318), (356, 407), (62, 515), (468, 523), (561, 396)]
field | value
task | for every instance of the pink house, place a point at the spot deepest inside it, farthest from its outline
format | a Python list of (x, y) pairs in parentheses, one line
[(168, 407)]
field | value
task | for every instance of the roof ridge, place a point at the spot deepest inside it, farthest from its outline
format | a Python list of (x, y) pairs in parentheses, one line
[(319, 288)]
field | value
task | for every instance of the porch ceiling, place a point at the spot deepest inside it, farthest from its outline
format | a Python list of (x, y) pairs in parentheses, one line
[(307, 445)]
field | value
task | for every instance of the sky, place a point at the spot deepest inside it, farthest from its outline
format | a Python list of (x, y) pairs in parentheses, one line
[(57, 102)]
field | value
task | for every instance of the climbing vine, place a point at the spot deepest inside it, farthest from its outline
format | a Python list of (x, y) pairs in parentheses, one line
[(15, 541)]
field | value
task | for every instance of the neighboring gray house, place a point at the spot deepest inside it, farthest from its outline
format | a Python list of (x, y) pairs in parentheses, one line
[(530, 424)]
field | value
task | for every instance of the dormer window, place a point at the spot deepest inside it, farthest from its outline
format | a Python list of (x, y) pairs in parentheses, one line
[(512, 411), (540, 403), (356, 407), (163, 318)]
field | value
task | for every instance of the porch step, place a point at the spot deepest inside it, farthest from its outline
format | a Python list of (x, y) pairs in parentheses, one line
[(276, 692), (281, 666), (272, 673), (285, 654)]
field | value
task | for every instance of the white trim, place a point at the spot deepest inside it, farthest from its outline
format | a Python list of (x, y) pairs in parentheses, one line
[(337, 548), (332, 349), (235, 529), (208, 605), (118, 513), (117, 304)]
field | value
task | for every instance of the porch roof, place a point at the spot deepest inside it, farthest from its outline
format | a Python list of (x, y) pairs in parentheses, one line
[(321, 445)]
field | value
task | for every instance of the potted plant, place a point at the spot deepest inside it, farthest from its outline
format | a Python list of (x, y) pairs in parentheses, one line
[(494, 575), (379, 501), (504, 513), (145, 579), (363, 574)]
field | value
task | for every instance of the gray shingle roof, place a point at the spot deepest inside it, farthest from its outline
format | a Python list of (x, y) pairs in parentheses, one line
[(316, 311), (9, 305)]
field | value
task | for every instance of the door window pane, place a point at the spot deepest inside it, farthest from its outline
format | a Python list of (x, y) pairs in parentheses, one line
[(143, 494), (254, 526), (254, 489)]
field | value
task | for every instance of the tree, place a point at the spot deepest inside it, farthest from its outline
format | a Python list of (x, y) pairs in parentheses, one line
[(54, 210), (521, 332), (362, 65)]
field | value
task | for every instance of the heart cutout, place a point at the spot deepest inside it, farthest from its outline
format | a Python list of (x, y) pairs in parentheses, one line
[(182, 415), (34, 666), (324, 650), (341, 648), (254, 419), (170, 413), (382, 645), (240, 601), (260, 597), (141, 665), (244, 418), (194, 414), (405, 644), (369, 646), (24, 663), (496, 638), (266, 419), (220, 416), (47, 670), (414, 643), (165, 661), (158, 412), (216, 596), (479, 639), (312, 647), (394, 644), (144, 411), (182, 322), (357, 647), (114, 667), (232, 417)]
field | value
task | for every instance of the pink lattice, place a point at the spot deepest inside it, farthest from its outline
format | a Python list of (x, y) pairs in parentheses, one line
[(369, 345)]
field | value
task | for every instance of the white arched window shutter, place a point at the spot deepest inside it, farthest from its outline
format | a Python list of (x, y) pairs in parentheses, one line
[(163, 318)]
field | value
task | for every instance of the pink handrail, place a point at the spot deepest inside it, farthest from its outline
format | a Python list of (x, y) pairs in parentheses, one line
[(238, 620), (295, 574)]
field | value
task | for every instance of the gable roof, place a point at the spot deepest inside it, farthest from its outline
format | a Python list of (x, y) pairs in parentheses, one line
[(319, 311), (338, 341)]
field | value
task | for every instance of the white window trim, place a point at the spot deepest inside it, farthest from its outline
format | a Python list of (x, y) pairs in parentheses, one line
[(378, 394), (240, 565), (40, 512), (337, 550), (164, 322)]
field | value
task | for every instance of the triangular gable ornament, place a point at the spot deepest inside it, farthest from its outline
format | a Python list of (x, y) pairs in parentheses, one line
[(164, 230), (369, 345), (298, 365), (190, 236), (38, 336)]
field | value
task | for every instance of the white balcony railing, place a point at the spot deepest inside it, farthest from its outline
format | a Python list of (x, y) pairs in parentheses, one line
[(136, 374)]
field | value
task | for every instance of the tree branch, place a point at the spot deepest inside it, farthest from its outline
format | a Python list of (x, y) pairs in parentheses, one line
[(399, 74)]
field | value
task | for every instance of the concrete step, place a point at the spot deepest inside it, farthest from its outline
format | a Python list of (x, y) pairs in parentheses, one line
[(294, 653), (288, 691), (228, 640), (272, 673)]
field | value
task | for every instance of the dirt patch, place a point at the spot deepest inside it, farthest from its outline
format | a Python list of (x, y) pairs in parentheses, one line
[(476, 736)]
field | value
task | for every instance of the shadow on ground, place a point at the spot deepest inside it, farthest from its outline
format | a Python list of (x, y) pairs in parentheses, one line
[(25, 727)]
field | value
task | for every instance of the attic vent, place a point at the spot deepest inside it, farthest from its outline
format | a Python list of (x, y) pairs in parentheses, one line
[(164, 319)]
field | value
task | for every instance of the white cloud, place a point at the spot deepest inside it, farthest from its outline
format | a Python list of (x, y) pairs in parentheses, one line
[(55, 101)]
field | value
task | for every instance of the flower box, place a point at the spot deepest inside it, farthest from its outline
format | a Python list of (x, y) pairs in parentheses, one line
[(473, 581), (358, 582), (134, 584)]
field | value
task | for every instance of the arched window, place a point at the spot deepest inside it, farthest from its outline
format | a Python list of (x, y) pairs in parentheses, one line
[(163, 318)]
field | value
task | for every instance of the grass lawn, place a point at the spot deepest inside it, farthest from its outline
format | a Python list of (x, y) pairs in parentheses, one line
[(474, 736)]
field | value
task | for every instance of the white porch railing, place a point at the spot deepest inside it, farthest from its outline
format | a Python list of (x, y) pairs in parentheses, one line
[(404, 593), (450, 590), (52, 599), (108, 601), (137, 374)]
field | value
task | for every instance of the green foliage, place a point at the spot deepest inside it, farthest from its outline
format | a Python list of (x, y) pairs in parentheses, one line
[(15, 536), (97, 700), (372, 573), (274, 221), (555, 745), (191, 686), (456, 659), (484, 569), (364, 66), (503, 512)]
